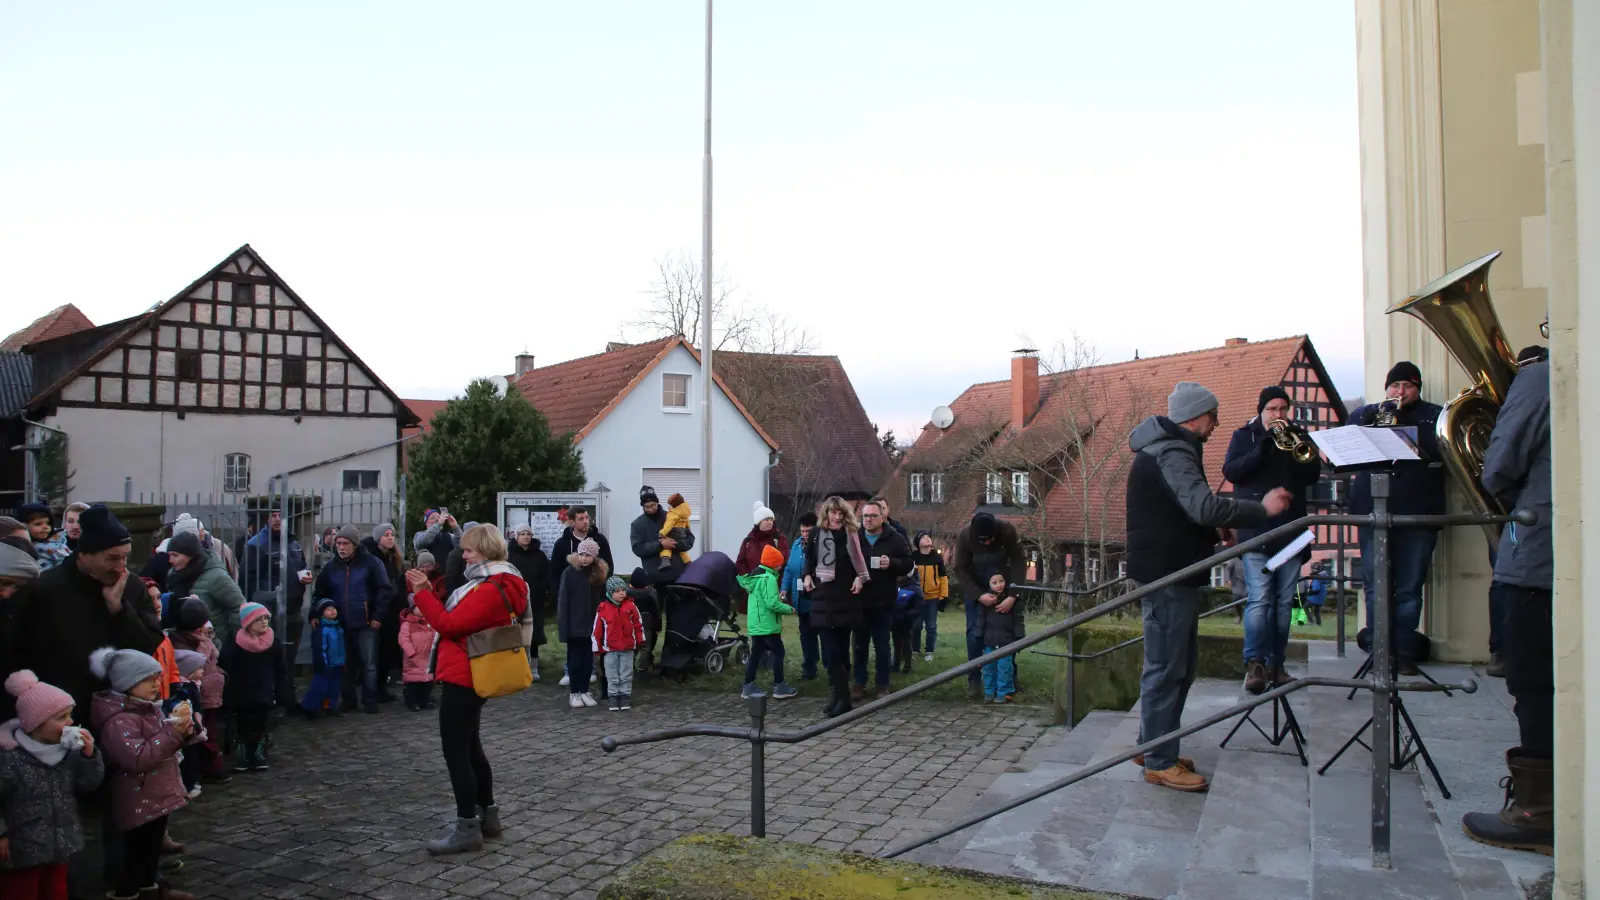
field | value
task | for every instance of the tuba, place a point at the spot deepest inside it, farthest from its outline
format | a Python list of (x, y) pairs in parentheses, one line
[(1456, 308)]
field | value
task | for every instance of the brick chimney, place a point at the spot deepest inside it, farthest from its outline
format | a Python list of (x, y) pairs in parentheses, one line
[(524, 364), (1024, 387), (1235, 342)]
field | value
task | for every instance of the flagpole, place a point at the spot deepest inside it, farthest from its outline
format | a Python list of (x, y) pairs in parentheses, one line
[(707, 301)]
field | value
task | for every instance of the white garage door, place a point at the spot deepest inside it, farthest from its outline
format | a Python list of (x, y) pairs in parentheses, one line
[(677, 481)]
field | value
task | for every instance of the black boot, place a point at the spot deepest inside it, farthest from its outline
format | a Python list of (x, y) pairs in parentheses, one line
[(1528, 820), (841, 691)]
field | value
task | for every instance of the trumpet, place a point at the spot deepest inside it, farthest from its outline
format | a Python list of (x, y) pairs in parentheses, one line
[(1291, 439), (1388, 414)]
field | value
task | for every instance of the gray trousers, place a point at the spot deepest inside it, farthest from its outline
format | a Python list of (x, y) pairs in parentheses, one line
[(618, 666), (1171, 650)]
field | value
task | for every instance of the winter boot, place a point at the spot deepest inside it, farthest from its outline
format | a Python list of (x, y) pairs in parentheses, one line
[(839, 679), (489, 819), (242, 757), (1497, 666), (466, 836), (258, 762), (1528, 820)]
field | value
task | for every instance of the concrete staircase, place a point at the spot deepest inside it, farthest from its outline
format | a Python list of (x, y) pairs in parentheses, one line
[(1269, 828)]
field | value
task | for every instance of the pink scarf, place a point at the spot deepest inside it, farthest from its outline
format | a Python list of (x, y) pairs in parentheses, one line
[(252, 643)]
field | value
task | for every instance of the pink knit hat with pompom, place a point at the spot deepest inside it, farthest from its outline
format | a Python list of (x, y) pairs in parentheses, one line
[(37, 702)]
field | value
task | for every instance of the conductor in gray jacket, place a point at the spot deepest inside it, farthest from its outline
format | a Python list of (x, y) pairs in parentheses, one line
[(1516, 470), (1173, 522)]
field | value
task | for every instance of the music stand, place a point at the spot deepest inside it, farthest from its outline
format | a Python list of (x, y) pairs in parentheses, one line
[(1366, 667), (1403, 752)]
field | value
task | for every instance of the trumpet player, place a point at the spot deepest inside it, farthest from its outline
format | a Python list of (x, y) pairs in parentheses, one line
[(1412, 492), (1267, 453)]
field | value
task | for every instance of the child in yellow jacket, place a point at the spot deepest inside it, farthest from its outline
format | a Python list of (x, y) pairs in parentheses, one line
[(676, 527)]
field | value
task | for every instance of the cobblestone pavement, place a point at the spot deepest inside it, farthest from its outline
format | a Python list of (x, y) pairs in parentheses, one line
[(349, 803)]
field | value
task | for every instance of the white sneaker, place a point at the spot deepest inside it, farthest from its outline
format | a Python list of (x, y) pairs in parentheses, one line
[(588, 699), (194, 792), (575, 701), (926, 657), (565, 679)]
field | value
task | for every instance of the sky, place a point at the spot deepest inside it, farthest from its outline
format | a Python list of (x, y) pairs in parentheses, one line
[(923, 186)]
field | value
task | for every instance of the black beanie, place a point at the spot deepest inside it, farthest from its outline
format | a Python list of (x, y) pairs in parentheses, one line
[(192, 614), (187, 543), (984, 526), (640, 579), (1270, 393), (1532, 354), (647, 494), (1404, 370), (101, 530)]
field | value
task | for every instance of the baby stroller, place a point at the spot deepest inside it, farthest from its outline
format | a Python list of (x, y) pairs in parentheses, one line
[(699, 619)]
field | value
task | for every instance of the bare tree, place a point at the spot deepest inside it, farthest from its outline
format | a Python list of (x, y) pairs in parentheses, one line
[(676, 304)]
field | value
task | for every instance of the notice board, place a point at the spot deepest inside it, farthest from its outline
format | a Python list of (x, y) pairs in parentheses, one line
[(546, 512)]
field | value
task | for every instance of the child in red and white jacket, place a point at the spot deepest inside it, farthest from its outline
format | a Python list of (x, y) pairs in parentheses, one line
[(618, 631)]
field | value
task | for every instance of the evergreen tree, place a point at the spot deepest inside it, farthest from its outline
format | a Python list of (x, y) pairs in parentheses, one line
[(480, 444)]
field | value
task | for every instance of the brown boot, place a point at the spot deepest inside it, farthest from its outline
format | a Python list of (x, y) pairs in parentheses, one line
[(1184, 762), (883, 692), (1255, 676), (1177, 778), (1528, 820), (1281, 677), (858, 692)]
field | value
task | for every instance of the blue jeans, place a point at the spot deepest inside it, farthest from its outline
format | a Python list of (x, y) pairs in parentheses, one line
[(876, 630), (1410, 553), (1171, 649), (999, 677), (928, 622), (325, 685), (810, 647), (974, 631), (1267, 613), (361, 666)]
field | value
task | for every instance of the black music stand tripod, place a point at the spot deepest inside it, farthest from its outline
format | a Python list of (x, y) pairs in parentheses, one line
[(1284, 723), (1366, 668), (1405, 750)]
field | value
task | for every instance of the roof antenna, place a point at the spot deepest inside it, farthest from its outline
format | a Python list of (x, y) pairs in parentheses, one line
[(1136, 354)]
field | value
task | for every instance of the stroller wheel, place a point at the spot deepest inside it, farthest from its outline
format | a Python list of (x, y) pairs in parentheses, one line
[(741, 655), (714, 661)]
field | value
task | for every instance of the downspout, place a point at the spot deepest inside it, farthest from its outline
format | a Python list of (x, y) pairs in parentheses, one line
[(32, 459), (766, 475)]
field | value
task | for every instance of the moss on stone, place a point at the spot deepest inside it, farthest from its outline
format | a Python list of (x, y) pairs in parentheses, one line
[(725, 867)]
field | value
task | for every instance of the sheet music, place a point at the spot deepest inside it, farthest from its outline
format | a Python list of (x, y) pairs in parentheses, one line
[(1353, 445), (1292, 551)]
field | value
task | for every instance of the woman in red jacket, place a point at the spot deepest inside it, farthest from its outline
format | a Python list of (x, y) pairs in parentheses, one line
[(494, 595)]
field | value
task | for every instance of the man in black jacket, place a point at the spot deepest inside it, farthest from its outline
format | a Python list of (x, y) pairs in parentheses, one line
[(1257, 466), (582, 527), (1412, 492), (888, 558), (644, 538), (1173, 518)]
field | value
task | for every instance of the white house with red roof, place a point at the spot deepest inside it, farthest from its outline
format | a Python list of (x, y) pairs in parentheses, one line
[(634, 412)]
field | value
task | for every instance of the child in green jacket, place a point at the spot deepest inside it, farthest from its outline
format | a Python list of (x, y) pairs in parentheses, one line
[(766, 612)]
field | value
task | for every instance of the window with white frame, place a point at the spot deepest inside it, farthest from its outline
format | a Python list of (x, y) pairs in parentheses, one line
[(1122, 568), (360, 479), (916, 487), (1020, 494), (1094, 570), (236, 473), (1219, 576), (675, 392), (936, 488), (993, 488)]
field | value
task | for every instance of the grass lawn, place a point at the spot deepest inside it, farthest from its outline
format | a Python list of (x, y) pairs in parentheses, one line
[(1035, 676)]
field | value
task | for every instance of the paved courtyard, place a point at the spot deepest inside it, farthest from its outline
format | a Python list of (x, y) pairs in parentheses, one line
[(349, 803)]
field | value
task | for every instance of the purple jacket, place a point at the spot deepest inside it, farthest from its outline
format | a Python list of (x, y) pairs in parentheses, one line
[(141, 750)]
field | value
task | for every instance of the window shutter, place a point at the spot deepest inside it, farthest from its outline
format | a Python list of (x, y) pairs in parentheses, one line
[(677, 481)]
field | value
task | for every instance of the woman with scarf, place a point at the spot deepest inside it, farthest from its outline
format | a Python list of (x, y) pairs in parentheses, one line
[(196, 572), (836, 570), (493, 595), (381, 545)]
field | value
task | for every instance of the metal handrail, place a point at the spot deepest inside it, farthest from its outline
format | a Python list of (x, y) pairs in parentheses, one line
[(1467, 687), (1083, 657), (1072, 591), (1380, 683)]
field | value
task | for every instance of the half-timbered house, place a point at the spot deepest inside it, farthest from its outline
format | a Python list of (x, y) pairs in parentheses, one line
[(230, 382), (1049, 451)]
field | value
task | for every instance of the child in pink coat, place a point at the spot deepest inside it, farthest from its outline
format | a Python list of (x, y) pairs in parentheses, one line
[(416, 646)]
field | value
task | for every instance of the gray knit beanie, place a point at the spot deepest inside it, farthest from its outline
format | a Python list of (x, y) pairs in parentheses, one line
[(17, 565), (351, 534), (382, 529), (123, 668), (1190, 401)]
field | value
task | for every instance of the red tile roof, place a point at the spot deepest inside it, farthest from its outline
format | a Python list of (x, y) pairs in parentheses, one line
[(424, 410), (1102, 403), (808, 403), (58, 322), (577, 394)]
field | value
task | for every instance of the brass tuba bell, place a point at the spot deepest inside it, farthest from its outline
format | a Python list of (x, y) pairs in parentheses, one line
[(1457, 309)]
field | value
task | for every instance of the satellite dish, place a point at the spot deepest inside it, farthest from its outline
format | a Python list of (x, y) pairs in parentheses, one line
[(943, 417)]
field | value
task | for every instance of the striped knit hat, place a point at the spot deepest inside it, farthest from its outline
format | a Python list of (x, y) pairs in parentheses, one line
[(250, 612)]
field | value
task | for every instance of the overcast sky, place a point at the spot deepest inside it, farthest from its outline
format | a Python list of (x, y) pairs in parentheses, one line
[(917, 183)]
